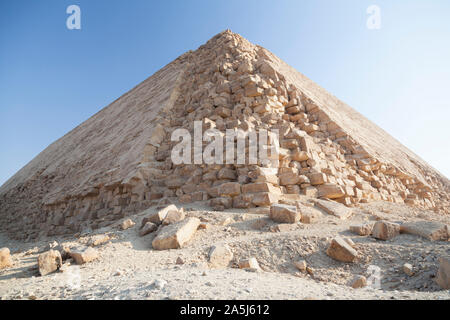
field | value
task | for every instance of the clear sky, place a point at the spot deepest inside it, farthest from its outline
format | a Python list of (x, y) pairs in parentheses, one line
[(53, 78)]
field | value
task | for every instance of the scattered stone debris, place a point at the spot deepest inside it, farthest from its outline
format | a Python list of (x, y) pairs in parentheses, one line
[(220, 256), (49, 262), (176, 235), (385, 230), (340, 250), (179, 261), (5, 258)]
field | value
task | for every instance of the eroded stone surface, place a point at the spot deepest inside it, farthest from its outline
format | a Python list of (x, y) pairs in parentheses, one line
[(430, 230), (176, 235)]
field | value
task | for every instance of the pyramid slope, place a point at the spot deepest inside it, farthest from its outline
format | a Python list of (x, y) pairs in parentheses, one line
[(118, 161), (112, 138), (377, 141)]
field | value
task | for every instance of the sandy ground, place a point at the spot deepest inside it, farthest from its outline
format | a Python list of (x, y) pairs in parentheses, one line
[(128, 267)]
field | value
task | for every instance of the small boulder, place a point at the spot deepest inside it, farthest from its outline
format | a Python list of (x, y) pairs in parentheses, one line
[(176, 235), (82, 256), (149, 227), (284, 213), (408, 269), (309, 214), (220, 256), (340, 250), (203, 226), (174, 216), (300, 265), (359, 282), (128, 223), (5, 258), (158, 217), (250, 263), (385, 230), (49, 262)]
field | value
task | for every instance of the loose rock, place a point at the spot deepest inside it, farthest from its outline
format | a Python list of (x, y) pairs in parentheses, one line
[(408, 269), (340, 250), (220, 256), (359, 282), (385, 230), (149, 227), (82, 256), (49, 262), (176, 235), (284, 213), (5, 258), (301, 265), (128, 223)]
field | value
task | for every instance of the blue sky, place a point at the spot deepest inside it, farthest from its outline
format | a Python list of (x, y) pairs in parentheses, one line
[(53, 78)]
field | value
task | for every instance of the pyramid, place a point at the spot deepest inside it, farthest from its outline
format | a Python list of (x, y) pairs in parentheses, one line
[(118, 162)]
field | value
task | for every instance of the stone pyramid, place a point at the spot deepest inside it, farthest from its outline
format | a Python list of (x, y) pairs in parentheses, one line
[(118, 161)]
